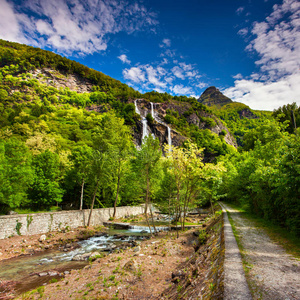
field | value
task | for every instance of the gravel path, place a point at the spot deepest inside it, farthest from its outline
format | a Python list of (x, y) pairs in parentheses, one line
[(273, 274), (235, 283)]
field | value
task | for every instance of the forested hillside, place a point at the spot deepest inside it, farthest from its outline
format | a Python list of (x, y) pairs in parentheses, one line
[(71, 137)]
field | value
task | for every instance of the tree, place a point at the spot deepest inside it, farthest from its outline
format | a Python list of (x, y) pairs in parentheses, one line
[(98, 175), (45, 190), (212, 179), (186, 166), (16, 173), (114, 139), (81, 159), (289, 113), (146, 163)]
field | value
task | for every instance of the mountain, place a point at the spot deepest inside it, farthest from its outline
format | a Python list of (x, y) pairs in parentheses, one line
[(35, 81), (213, 97), (55, 115)]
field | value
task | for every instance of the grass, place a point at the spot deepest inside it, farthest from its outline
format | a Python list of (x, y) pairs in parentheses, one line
[(282, 236)]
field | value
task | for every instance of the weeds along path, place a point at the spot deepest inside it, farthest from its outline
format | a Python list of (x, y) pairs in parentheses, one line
[(271, 273)]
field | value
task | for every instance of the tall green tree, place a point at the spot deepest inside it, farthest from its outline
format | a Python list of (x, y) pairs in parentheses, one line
[(186, 166), (81, 159), (289, 113), (98, 175), (16, 173), (146, 164), (114, 139), (46, 190)]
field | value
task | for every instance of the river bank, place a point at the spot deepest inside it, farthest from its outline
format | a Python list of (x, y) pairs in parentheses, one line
[(141, 272)]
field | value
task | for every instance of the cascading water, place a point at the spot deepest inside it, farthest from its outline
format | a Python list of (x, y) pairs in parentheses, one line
[(169, 138), (136, 108), (144, 122), (152, 111), (169, 129), (145, 128)]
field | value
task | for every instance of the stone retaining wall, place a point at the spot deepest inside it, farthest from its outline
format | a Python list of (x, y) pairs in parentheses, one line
[(44, 222)]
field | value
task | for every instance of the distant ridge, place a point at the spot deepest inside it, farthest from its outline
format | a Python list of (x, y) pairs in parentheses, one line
[(213, 97)]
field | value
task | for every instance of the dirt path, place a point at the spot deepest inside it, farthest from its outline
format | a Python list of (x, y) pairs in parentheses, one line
[(272, 274)]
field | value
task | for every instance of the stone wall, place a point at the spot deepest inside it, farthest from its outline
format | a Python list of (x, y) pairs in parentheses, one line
[(44, 222)]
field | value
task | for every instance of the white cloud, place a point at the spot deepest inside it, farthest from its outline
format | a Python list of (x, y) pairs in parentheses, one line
[(178, 72), (240, 10), (243, 32), (238, 76), (165, 79), (135, 74), (72, 25), (124, 59), (266, 95), (179, 89), (154, 76), (165, 43), (277, 42), (9, 25), (202, 85), (186, 67)]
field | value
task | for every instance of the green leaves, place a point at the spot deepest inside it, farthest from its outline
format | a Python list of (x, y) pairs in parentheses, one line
[(15, 173), (266, 178), (45, 190)]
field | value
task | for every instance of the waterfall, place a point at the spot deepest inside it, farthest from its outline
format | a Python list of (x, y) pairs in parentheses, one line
[(144, 122), (136, 108), (153, 116), (169, 137), (152, 111), (145, 128)]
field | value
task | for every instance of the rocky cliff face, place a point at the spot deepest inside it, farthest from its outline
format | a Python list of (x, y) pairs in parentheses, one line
[(218, 128), (159, 127), (58, 80), (213, 97), (247, 113)]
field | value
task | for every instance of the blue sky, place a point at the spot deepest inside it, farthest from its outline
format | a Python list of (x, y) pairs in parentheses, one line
[(249, 49)]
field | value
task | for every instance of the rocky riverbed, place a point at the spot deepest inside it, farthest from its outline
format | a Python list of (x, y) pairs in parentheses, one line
[(130, 266)]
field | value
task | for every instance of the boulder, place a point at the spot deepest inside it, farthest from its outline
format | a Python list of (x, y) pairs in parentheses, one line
[(81, 257), (137, 249), (52, 273), (94, 255), (130, 266), (42, 238)]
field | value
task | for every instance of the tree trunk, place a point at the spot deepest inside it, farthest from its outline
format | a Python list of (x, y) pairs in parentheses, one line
[(177, 211), (169, 214), (115, 204), (212, 206), (152, 219), (146, 207), (93, 202), (81, 196), (147, 201)]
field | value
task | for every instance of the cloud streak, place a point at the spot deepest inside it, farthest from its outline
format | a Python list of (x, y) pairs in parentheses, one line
[(175, 77), (277, 42), (70, 26), (124, 59)]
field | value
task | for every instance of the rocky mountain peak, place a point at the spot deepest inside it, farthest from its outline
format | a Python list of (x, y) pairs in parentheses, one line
[(213, 97)]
